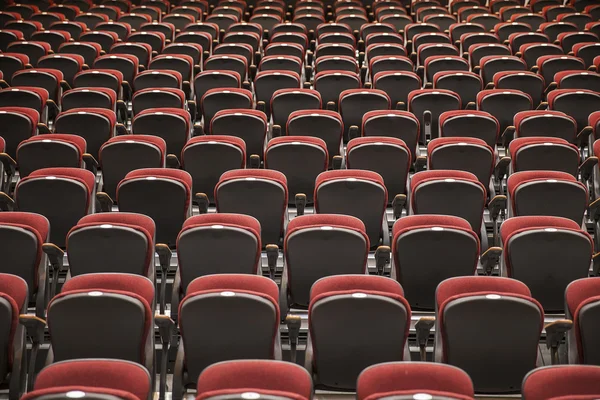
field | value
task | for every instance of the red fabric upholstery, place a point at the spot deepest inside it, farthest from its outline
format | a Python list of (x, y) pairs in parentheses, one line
[(263, 74), (445, 141), (264, 376), (578, 294), (151, 139), (78, 174), (476, 46), (308, 140), (395, 378), (516, 225), (97, 112), (17, 34), (503, 74), (333, 220), (95, 45), (232, 140), (178, 92), (29, 113), (589, 36), (333, 285), (58, 75), (74, 57), (570, 381), (267, 174), (109, 92), (44, 45), (2, 144), (146, 46), (373, 46), (383, 74), (374, 140), (308, 92), (35, 223), (557, 93), (188, 59), (518, 143), (431, 59), (597, 148), (84, 35), (74, 140), (481, 96), (431, 92), (412, 222), (106, 374), (14, 290), (133, 59), (244, 283), (324, 74), (519, 178), (86, 389), (548, 58), (396, 113), (442, 74)]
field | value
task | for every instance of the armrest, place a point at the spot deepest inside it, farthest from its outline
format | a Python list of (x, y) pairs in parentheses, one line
[(398, 205), (254, 161), (542, 106), (471, 106), (192, 108), (420, 163), (331, 106), (34, 326), (423, 328), (587, 167), (166, 327), (3, 84), (202, 200), (594, 210), (90, 162), (260, 106), (10, 166), (401, 106), (300, 201), (489, 86), (43, 129), (53, 109), (55, 256), (121, 130), (555, 332), (507, 135), (501, 168), (353, 132), (596, 264), (106, 203), (275, 131), (551, 87), (382, 258), (6, 202), (172, 161), (64, 86), (496, 204), (122, 110), (584, 134), (337, 162), (126, 90), (272, 256), (293, 322), (489, 259), (427, 120), (164, 259)]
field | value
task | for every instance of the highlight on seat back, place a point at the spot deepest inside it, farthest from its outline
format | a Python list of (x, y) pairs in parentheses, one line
[(290, 381), (530, 249), (418, 268), (544, 153), (205, 239), (344, 308), (413, 379), (211, 304), (562, 382), (470, 123), (112, 242), (501, 309), (582, 299), (93, 377), (545, 123), (551, 193)]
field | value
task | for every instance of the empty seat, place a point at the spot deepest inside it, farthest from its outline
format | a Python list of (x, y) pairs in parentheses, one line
[(93, 299), (539, 247), (428, 104), (63, 195), (112, 242), (544, 153), (330, 84), (503, 104), (324, 124), (205, 314), (301, 159), (549, 193), (249, 125), (502, 308), (218, 99), (285, 101), (526, 81), (170, 191), (123, 154), (50, 150), (420, 242), (354, 103), (172, 124), (545, 123), (578, 103), (405, 380), (345, 308), (17, 124), (470, 123), (266, 197)]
